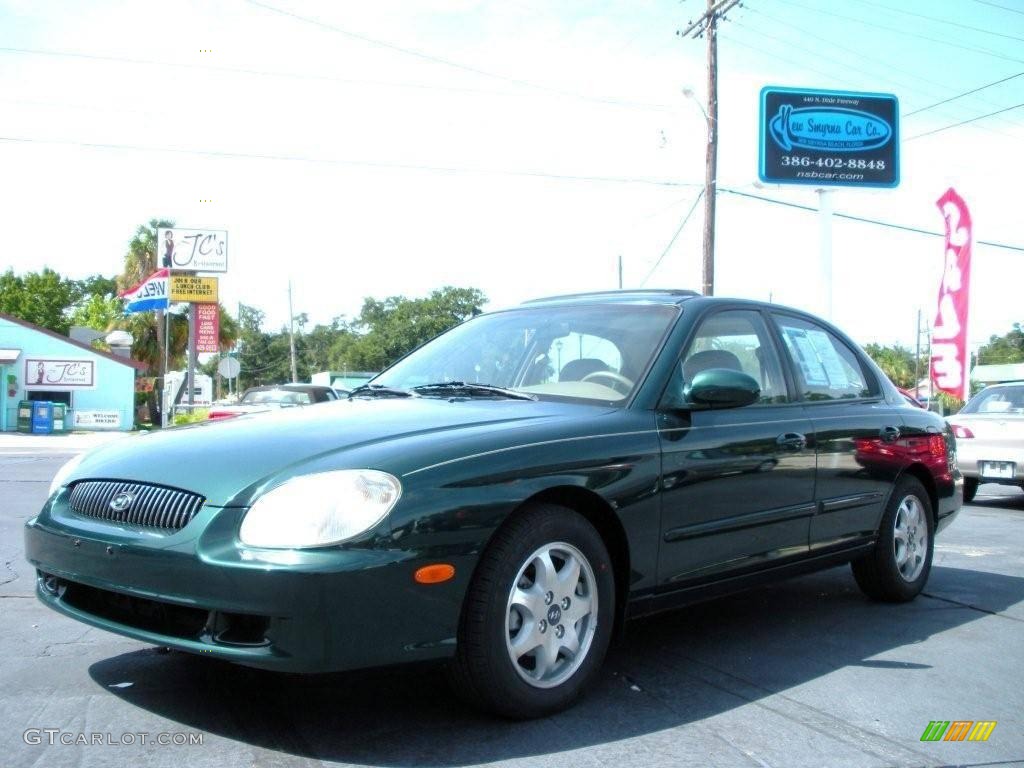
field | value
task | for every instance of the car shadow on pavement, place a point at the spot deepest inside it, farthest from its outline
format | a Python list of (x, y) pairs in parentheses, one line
[(666, 671), (1000, 498)]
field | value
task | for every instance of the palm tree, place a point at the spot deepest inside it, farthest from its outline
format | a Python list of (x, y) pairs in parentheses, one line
[(139, 263)]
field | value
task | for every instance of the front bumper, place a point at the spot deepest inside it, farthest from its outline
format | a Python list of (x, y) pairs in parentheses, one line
[(199, 590)]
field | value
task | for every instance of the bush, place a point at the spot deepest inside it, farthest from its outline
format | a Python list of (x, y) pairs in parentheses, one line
[(195, 417)]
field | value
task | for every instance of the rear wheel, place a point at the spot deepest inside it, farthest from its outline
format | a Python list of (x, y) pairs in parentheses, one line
[(970, 489), (898, 567), (538, 616)]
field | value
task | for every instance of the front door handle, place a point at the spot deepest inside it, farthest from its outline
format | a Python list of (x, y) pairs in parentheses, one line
[(890, 434), (791, 441)]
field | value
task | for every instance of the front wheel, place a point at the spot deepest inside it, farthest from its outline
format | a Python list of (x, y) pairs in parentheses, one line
[(538, 617), (897, 569)]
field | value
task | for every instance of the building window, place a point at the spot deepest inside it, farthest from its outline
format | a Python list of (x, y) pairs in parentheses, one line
[(53, 397)]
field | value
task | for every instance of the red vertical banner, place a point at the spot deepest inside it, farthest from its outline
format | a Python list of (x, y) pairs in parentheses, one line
[(950, 363), (207, 328)]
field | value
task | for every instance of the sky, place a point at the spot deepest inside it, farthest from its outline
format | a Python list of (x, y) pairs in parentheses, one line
[(516, 146)]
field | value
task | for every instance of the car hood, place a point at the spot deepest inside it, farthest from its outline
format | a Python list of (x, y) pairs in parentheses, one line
[(225, 460)]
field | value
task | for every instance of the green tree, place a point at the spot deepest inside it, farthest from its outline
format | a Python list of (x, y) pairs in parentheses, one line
[(898, 364), (1008, 348), (140, 261), (387, 329), (42, 298)]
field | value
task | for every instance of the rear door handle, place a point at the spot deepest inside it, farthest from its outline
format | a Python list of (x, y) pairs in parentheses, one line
[(791, 441), (890, 434)]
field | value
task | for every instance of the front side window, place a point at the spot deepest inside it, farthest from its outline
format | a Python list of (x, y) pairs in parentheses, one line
[(590, 353), (826, 367), (736, 340)]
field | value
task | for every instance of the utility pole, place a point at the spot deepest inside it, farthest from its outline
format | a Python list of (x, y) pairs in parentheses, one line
[(707, 25), (620, 271), (917, 356), (291, 333)]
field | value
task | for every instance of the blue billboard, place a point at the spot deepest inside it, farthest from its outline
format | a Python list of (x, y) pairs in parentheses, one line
[(828, 138)]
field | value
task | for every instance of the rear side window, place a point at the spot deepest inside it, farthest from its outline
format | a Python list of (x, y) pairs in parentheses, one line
[(827, 368)]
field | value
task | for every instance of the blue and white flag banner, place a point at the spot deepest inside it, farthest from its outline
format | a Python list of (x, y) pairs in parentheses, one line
[(152, 293)]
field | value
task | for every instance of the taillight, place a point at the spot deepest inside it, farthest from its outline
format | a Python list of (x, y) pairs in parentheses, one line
[(214, 415), (962, 432), (937, 446)]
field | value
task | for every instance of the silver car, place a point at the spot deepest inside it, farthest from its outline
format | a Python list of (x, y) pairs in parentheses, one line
[(990, 437)]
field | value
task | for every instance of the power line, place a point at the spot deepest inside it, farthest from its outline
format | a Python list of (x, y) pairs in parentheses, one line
[(440, 60), (672, 242), (1001, 7), (292, 75), (940, 87), (961, 95), (964, 122), (864, 219), (772, 55), (940, 21), (349, 162), (897, 31)]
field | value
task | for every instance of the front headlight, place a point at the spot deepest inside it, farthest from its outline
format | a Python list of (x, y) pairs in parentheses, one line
[(320, 509), (64, 473)]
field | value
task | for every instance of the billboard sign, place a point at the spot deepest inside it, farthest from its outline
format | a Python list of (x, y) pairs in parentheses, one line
[(47, 373), (828, 138), (207, 327), (193, 250), (200, 290)]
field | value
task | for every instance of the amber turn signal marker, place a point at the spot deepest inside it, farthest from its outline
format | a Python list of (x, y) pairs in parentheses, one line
[(434, 574)]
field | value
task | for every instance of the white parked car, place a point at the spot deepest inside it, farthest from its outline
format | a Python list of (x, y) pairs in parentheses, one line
[(990, 437)]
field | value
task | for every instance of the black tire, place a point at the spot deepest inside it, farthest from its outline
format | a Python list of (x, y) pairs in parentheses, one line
[(970, 489), (483, 672), (878, 573)]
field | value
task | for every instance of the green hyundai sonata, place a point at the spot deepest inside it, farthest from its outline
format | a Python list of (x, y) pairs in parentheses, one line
[(507, 495)]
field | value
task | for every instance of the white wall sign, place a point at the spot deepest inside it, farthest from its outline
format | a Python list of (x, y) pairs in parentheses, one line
[(97, 419), (50, 373), (195, 250)]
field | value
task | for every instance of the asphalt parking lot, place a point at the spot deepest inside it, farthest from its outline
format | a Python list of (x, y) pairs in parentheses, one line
[(802, 673)]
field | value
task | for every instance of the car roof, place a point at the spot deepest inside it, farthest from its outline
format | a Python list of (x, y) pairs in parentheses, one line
[(627, 296)]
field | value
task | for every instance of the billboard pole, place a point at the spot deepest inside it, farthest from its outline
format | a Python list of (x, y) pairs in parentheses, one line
[(825, 256), (191, 354)]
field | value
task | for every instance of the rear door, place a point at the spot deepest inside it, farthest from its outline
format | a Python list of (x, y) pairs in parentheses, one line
[(854, 432), (737, 484)]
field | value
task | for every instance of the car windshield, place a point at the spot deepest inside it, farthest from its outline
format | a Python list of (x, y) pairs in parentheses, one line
[(276, 396), (590, 353), (1008, 400)]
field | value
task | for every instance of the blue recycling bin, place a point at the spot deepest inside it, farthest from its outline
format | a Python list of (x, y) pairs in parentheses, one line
[(42, 418)]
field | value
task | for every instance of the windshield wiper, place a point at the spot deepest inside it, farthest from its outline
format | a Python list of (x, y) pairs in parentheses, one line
[(471, 390), (380, 390)]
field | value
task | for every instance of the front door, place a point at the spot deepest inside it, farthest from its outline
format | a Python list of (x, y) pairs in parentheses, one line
[(737, 484)]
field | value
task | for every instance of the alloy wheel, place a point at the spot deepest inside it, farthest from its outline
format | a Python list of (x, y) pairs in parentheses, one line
[(910, 538), (551, 615)]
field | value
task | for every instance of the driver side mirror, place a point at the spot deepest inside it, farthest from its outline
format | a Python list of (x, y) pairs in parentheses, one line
[(722, 388)]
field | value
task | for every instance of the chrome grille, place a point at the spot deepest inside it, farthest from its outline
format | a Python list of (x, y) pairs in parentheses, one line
[(150, 506)]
